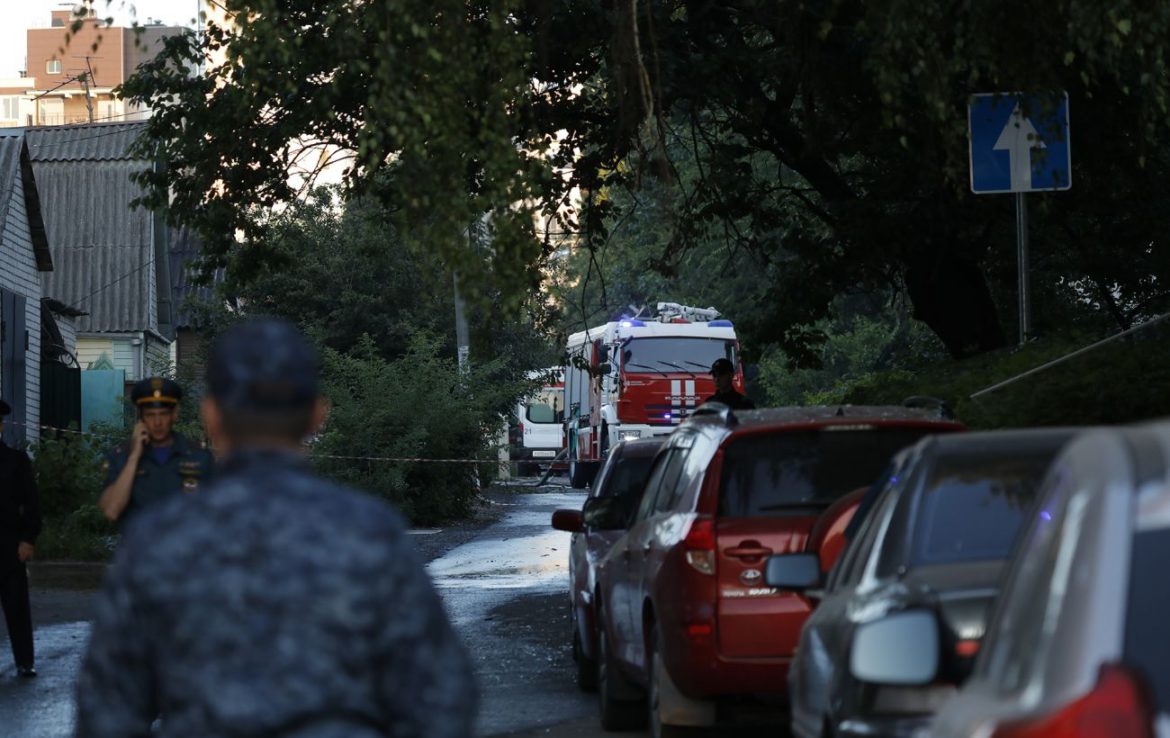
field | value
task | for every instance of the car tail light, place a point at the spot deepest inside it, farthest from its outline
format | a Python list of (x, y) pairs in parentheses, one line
[(1117, 707), (699, 545), (967, 648)]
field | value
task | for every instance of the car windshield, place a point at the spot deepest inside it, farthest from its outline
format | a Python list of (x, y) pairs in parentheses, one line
[(1147, 648), (798, 472), (689, 355), (972, 508), (545, 406)]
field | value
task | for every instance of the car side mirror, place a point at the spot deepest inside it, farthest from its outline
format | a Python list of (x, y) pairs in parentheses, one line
[(898, 650), (797, 572), (569, 521), (605, 513)]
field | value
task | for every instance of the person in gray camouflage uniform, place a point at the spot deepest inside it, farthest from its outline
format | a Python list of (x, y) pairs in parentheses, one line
[(275, 603)]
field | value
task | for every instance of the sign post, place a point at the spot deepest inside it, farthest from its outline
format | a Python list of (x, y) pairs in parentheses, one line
[(1019, 143)]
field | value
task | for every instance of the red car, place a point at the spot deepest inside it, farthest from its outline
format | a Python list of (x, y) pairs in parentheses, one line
[(603, 519), (686, 619)]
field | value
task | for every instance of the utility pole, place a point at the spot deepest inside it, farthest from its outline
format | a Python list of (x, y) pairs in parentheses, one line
[(462, 334)]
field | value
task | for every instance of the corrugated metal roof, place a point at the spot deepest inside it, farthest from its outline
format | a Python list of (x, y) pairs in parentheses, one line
[(101, 246), (9, 171), (96, 142), (185, 249), (109, 282)]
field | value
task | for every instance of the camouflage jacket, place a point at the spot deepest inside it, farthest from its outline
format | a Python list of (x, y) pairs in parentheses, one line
[(273, 604)]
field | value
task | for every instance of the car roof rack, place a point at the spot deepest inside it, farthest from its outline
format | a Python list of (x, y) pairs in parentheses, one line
[(927, 402), (717, 409)]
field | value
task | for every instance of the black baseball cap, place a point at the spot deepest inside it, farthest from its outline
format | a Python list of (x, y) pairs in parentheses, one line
[(722, 366), (263, 364)]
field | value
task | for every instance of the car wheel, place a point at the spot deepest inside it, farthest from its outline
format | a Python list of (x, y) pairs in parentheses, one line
[(658, 729), (586, 667), (620, 709)]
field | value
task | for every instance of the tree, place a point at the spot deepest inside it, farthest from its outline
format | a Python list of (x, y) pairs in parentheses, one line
[(828, 136)]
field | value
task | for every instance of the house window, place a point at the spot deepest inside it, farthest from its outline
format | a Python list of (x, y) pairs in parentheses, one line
[(9, 107), (53, 66), (50, 111), (108, 110)]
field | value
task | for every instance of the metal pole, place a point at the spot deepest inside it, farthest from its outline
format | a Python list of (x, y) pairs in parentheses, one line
[(1022, 265), (462, 335)]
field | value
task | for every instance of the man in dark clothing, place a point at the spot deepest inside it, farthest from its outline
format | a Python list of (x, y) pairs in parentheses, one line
[(157, 463), (723, 372), (274, 603), (20, 524)]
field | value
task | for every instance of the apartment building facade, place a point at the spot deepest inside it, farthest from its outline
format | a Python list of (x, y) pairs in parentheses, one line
[(70, 76)]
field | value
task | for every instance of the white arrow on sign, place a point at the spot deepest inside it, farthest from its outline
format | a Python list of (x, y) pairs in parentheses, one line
[(1019, 138)]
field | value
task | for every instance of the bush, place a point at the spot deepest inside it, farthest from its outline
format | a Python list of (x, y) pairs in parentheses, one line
[(417, 406), (68, 471)]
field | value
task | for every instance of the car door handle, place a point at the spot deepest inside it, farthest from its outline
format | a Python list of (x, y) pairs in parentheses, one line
[(748, 552)]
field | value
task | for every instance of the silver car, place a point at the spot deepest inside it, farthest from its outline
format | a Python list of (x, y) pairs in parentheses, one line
[(1079, 644)]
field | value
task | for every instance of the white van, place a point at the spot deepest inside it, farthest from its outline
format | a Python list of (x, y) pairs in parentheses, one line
[(538, 432)]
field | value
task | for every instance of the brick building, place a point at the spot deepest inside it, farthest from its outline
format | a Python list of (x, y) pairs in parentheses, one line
[(71, 80)]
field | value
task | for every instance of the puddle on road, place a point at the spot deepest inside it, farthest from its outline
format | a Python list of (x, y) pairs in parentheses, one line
[(522, 552)]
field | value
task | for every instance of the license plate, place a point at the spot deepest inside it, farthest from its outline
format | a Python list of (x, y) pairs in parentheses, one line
[(543, 454)]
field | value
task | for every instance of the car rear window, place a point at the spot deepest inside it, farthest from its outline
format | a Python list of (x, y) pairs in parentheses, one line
[(1147, 648), (628, 477), (972, 508), (797, 472)]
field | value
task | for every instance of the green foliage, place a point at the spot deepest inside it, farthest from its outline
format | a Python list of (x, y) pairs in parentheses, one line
[(1121, 382), (416, 406), (423, 90), (69, 475), (68, 471), (82, 535)]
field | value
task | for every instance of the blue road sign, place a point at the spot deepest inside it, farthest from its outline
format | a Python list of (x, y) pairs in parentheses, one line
[(1019, 143)]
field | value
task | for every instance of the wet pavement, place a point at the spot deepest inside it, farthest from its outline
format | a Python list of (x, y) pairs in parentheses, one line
[(504, 580), (506, 592)]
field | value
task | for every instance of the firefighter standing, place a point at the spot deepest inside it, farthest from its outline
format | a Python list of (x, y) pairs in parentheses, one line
[(20, 523), (157, 462), (723, 373), (274, 603)]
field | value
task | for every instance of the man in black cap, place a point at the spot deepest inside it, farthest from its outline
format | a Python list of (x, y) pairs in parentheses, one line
[(158, 462), (20, 523), (274, 603), (723, 372)]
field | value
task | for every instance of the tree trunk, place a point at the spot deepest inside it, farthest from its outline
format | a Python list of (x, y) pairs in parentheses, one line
[(950, 294)]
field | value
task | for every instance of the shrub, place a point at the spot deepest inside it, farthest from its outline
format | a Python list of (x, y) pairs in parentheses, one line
[(68, 470), (417, 406)]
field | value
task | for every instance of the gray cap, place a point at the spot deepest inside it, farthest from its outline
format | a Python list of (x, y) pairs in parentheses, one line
[(263, 364)]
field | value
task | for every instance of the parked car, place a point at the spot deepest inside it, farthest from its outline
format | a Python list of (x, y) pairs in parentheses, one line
[(1077, 645), (934, 544), (686, 619), (601, 521)]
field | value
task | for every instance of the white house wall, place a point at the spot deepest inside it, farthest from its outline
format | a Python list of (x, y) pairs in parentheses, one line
[(18, 272)]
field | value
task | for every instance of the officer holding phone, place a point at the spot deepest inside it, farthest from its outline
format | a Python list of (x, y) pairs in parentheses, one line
[(157, 462)]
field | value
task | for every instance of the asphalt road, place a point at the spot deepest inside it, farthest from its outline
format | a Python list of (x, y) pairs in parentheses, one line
[(503, 577)]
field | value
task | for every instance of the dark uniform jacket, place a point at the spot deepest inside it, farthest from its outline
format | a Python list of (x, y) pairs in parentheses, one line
[(188, 469), (20, 513), (732, 399), (273, 603)]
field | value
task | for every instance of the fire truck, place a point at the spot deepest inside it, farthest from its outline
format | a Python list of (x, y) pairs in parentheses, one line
[(639, 377)]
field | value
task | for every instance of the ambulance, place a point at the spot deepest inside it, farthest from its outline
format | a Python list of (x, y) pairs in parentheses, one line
[(639, 377)]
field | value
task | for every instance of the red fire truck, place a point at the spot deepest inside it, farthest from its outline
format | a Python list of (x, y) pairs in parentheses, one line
[(640, 377)]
